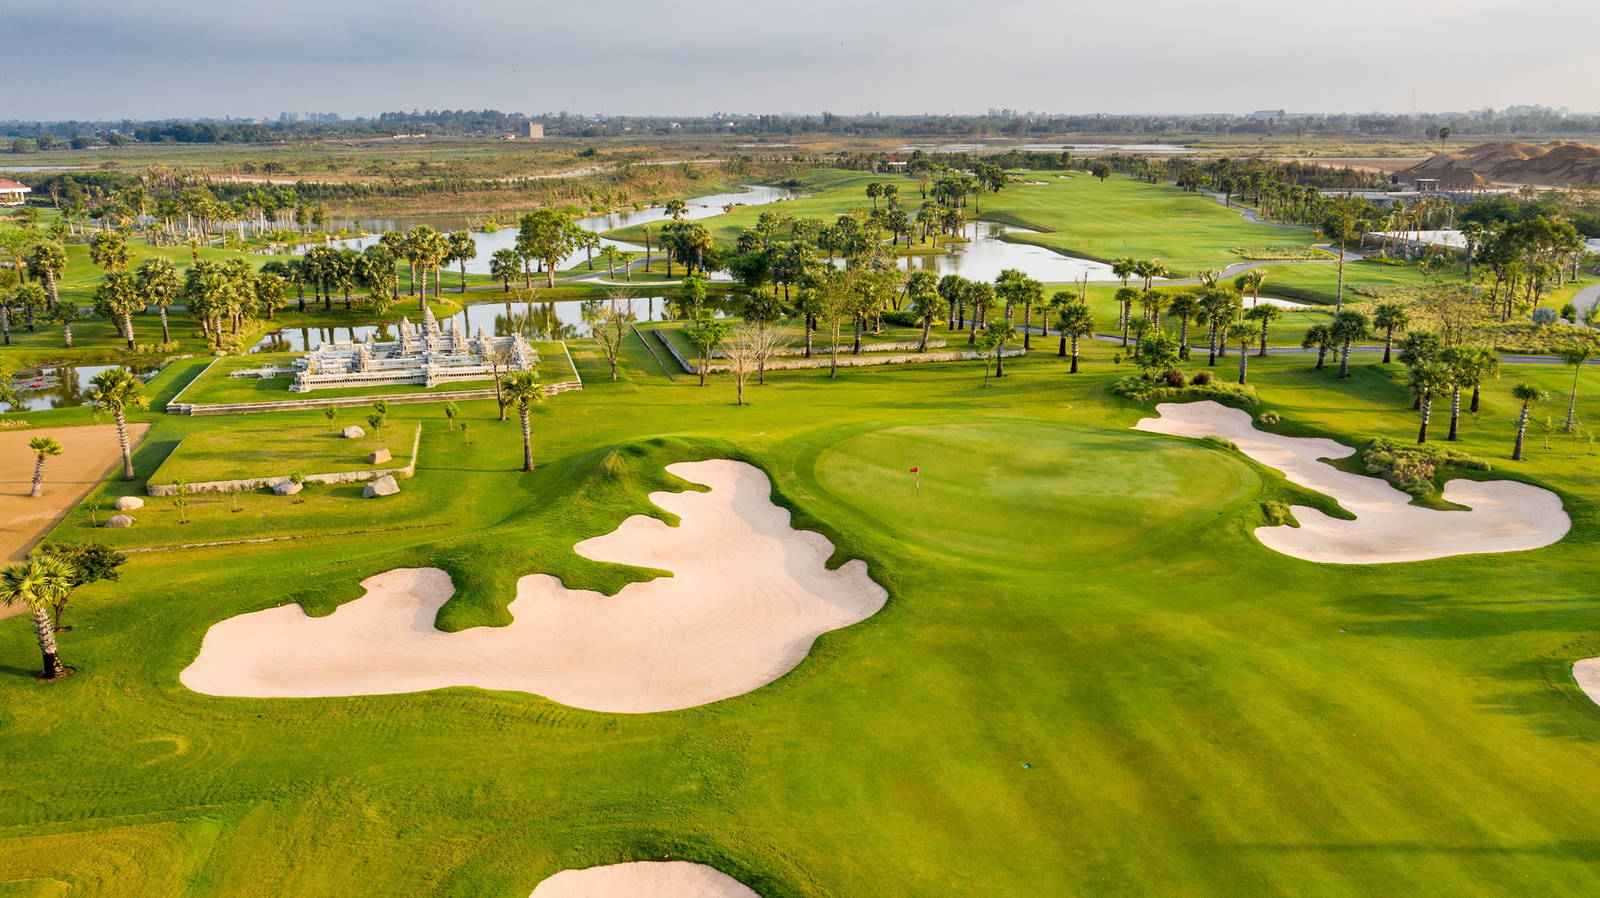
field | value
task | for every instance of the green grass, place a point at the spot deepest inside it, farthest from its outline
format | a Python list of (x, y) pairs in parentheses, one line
[(1090, 678), (255, 448)]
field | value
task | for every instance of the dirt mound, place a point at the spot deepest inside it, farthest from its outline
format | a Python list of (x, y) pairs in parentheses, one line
[(1560, 164)]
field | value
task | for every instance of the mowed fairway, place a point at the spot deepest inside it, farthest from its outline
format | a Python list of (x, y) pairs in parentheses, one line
[(1089, 679)]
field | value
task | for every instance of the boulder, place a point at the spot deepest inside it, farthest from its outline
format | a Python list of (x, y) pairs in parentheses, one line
[(383, 486), (129, 503), (287, 488), (354, 433), (379, 456), (118, 520)]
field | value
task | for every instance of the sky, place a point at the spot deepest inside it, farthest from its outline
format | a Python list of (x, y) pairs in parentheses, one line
[(112, 59)]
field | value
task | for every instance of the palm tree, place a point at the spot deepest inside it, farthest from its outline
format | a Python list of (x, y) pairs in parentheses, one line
[(1250, 282), (462, 249), (1125, 297), (926, 303), (119, 297), (117, 390), (1390, 317), (523, 389), (1124, 268), (1479, 363), (1186, 306), (43, 448), (1264, 315), (46, 262), (64, 313), (1242, 332), (1428, 379), (1527, 394), (1075, 323), (675, 208), (1347, 328), (1575, 355), (504, 266), (41, 583), (1320, 336), (159, 285)]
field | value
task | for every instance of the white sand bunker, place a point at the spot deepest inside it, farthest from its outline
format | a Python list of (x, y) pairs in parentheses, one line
[(1505, 516), (644, 879), (748, 596), (1587, 673)]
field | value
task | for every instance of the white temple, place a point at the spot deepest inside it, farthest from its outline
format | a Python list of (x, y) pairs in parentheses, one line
[(422, 355)]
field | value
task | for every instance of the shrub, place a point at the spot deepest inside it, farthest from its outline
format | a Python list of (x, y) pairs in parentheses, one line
[(1140, 389), (901, 318), (1201, 378), (1268, 418), (1282, 252), (1415, 469), (1278, 514), (1176, 379), (1219, 443)]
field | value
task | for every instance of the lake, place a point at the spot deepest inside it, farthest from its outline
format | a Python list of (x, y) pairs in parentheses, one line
[(62, 387)]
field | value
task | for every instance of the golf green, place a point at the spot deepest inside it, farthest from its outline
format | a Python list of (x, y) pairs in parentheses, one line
[(1017, 488)]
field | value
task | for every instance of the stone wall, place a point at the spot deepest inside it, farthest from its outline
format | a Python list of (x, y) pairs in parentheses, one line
[(820, 359), (256, 483)]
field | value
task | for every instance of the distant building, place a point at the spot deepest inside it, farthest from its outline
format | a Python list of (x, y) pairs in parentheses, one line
[(12, 193), (535, 130)]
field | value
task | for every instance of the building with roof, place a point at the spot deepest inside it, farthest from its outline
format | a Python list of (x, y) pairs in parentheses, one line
[(13, 193)]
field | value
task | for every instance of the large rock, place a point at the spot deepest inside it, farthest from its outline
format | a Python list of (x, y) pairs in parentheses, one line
[(354, 433), (129, 503), (118, 520), (287, 488), (379, 456), (383, 486)]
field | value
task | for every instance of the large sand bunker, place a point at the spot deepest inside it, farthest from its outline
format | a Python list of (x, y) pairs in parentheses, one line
[(1505, 516), (1587, 673), (644, 879), (748, 596)]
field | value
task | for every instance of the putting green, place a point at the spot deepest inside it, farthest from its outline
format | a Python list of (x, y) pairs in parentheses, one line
[(1020, 489)]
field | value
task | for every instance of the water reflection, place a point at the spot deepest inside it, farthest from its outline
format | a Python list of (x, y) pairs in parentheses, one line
[(985, 255), (62, 387), (534, 320)]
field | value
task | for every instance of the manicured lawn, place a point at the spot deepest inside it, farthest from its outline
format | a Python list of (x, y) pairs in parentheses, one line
[(1090, 678), (305, 442)]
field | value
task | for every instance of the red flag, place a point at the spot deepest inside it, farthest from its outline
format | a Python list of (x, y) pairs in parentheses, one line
[(916, 470)]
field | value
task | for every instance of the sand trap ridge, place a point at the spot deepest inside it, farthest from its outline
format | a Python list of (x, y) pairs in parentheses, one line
[(1505, 515), (644, 879), (748, 596)]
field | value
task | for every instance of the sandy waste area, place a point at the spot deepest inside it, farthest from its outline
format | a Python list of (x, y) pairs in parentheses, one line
[(644, 879)]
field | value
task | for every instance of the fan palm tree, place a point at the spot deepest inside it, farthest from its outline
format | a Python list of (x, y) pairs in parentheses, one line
[(1428, 379), (41, 583), (1250, 282), (1575, 355), (1124, 268), (1242, 332), (463, 249), (504, 266), (675, 209), (43, 448), (1390, 317), (1125, 298), (46, 262), (1527, 394), (926, 303), (119, 297), (1347, 328), (1186, 306), (522, 388), (64, 313), (1479, 364), (1075, 323), (1264, 315), (1321, 337), (117, 390)]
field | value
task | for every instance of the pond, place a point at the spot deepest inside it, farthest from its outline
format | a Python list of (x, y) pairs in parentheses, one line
[(534, 320), (506, 236), (62, 387), (985, 255)]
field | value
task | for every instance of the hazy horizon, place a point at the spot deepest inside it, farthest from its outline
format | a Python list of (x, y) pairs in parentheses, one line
[(168, 59)]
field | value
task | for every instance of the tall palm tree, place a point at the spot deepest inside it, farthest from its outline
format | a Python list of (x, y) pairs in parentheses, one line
[(1075, 323), (1575, 355), (1264, 315), (40, 583), (43, 448), (1527, 394), (1250, 282), (1321, 337), (119, 297), (1390, 317), (462, 249), (1186, 306), (926, 303), (1242, 332), (46, 262), (1125, 297), (523, 389), (1348, 327), (117, 390), (1428, 379), (1479, 363), (1124, 268), (159, 285), (64, 313)]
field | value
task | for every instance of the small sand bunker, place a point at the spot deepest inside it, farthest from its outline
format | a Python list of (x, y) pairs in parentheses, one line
[(1505, 516), (644, 879), (748, 596), (1587, 673)]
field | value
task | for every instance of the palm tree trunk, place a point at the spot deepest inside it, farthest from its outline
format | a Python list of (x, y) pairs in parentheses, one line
[(44, 630), (1388, 343), (1027, 325), (122, 442), (66, 333), (1522, 433), (1344, 359), (38, 478), (1244, 359), (1455, 412), (1572, 405), (166, 331), (1427, 412), (926, 324), (1474, 407), (1074, 354), (127, 327), (1183, 340), (527, 437)]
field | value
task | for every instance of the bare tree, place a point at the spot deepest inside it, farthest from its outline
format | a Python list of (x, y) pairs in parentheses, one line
[(752, 346), (608, 321)]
